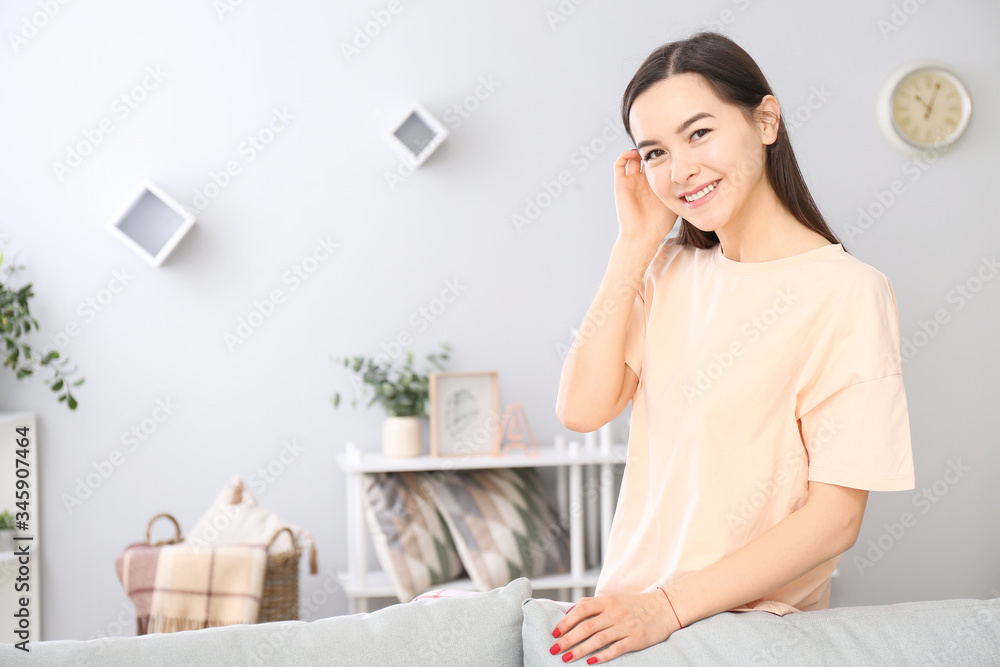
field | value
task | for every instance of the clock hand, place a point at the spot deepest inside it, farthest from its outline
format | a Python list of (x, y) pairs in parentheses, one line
[(920, 100), (930, 105)]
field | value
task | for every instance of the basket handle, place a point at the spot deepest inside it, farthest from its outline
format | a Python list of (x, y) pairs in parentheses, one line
[(279, 532), (177, 530)]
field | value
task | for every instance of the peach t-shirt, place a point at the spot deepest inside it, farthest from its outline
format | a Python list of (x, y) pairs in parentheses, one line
[(754, 379)]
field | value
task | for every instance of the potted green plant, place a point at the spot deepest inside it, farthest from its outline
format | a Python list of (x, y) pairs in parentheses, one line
[(15, 323), (6, 531), (401, 391)]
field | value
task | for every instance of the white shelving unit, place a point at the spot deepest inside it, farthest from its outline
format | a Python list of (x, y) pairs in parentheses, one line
[(361, 584)]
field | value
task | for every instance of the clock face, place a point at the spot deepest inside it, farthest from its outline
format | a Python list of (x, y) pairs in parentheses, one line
[(928, 108)]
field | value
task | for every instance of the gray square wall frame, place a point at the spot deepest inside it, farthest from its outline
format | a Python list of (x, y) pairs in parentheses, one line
[(152, 224), (417, 134)]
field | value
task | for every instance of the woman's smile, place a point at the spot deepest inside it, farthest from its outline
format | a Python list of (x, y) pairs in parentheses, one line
[(702, 196)]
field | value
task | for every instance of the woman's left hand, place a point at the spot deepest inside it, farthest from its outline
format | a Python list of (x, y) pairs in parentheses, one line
[(626, 621)]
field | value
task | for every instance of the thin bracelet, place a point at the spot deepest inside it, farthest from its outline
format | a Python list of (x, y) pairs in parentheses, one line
[(671, 607)]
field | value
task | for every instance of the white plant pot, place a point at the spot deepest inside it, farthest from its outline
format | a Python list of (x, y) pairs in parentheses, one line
[(6, 540), (401, 437)]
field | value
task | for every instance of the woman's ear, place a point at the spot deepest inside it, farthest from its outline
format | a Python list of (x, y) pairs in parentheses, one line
[(768, 115)]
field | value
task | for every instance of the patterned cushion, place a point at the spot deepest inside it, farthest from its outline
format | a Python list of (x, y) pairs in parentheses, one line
[(502, 522), (411, 540), (444, 593)]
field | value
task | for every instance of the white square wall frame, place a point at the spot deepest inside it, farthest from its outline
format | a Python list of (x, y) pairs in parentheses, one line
[(417, 134), (152, 223)]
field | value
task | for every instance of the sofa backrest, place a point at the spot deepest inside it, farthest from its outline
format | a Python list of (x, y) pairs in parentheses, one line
[(482, 629), (944, 632)]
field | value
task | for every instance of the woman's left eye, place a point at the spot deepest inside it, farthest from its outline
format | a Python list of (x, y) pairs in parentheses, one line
[(697, 131)]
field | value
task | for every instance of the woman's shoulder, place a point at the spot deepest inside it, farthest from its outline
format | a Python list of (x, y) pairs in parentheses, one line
[(852, 271), (668, 250), (847, 283), (670, 246)]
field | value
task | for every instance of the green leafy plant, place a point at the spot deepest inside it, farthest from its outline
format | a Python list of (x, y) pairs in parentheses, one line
[(402, 391), (15, 323), (6, 520)]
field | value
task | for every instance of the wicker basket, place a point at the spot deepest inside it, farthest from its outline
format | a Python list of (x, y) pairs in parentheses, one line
[(280, 598)]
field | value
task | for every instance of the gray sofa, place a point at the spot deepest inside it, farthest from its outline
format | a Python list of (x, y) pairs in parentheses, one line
[(507, 627)]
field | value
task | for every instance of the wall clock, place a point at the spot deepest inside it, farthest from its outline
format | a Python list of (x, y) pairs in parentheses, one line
[(923, 106)]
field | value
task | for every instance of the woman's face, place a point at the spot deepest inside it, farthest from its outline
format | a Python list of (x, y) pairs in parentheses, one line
[(682, 158)]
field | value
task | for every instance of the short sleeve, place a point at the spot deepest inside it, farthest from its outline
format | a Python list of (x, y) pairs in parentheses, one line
[(854, 421), (635, 334)]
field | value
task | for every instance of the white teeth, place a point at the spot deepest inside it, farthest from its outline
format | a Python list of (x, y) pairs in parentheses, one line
[(698, 195)]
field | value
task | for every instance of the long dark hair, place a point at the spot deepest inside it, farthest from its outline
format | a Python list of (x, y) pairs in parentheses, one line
[(735, 78)]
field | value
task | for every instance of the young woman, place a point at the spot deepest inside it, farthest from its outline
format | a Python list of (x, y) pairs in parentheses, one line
[(761, 359)]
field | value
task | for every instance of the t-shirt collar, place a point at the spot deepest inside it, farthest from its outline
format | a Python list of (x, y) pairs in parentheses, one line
[(732, 266)]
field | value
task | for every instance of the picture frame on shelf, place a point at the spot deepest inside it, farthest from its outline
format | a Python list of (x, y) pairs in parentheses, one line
[(464, 413), (152, 223)]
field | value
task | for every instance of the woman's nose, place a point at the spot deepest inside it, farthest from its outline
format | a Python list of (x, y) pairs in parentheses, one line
[(682, 169)]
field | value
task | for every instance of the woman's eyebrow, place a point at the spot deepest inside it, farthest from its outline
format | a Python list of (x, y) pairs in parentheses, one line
[(693, 119)]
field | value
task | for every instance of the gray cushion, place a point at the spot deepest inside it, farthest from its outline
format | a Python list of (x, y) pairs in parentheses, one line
[(479, 629), (946, 632)]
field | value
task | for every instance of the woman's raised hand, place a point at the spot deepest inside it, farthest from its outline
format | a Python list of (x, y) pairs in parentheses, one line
[(641, 214)]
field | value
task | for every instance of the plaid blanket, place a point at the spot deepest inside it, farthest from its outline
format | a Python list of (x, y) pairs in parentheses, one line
[(176, 587), (202, 588), (136, 569)]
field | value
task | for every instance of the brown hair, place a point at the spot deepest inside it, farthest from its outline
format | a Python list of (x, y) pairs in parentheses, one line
[(735, 78)]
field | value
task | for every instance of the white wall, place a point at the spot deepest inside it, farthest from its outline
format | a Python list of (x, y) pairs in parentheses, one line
[(323, 176)]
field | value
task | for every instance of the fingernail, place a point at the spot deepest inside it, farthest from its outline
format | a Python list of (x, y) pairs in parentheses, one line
[(592, 661), (567, 657), (571, 609), (556, 632), (554, 649)]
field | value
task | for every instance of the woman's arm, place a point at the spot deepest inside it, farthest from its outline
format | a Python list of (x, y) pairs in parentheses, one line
[(825, 526), (592, 387), (594, 370)]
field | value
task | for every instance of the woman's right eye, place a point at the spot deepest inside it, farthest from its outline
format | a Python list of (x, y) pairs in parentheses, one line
[(650, 154)]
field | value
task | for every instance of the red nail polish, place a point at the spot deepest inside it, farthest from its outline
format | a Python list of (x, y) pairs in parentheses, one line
[(592, 660), (567, 657), (554, 649), (556, 632)]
